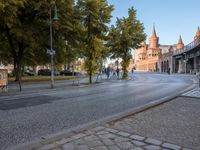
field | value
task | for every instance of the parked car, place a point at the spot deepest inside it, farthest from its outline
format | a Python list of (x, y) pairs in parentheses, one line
[(47, 72), (68, 73), (29, 73), (44, 72)]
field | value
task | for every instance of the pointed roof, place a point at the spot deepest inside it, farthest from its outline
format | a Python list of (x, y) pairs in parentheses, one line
[(180, 41), (198, 32), (154, 32)]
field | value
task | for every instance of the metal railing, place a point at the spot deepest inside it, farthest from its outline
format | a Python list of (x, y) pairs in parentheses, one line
[(188, 47)]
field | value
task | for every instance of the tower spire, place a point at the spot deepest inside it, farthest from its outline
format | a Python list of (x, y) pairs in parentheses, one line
[(180, 41), (198, 31), (153, 40), (197, 35), (154, 31), (180, 44)]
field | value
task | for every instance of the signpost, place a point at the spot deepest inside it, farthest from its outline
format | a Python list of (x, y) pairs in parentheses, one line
[(3, 78)]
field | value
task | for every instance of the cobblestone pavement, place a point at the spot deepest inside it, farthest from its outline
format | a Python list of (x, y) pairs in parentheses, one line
[(193, 93), (104, 138), (170, 126)]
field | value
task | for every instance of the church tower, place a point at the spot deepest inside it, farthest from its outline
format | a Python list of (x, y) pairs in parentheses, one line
[(180, 44), (197, 35), (153, 50), (153, 40)]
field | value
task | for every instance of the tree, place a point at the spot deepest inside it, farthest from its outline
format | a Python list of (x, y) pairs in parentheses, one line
[(25, 31), (96, 15), (124, 37)]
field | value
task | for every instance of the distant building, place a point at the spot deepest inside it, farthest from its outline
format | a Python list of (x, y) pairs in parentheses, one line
[(166, 59), (186, 59), (147, 57)]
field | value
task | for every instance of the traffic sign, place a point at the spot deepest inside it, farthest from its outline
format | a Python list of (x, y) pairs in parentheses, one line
[(51, 52)]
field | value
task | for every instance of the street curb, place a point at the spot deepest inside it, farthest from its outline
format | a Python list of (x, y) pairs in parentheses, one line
[(72, 131)]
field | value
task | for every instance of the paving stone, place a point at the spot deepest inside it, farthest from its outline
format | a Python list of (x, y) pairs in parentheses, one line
[(79, 142), (82, 147), (69, 146), (47, 147), (137, 137), (123, 134), (109, 135), (102, 132), (56, 148), (63, 141), (78, 136), (138, 143), (95, 143), (101, 148), (91, 138), (111, 130), (114, 147), (120, 139), (137, 148), (171, 146), (152, 147), (153, 141), (125, 145), (98, 128), (88, 132), (107, 142)]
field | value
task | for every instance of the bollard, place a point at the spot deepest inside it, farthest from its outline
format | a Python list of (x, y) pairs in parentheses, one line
[(199, 82), (198, 76)]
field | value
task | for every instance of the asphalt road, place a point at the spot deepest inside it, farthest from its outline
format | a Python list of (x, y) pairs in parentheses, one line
[(35, 113)]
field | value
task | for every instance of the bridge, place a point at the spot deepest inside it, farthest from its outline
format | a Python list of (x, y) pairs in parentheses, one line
[(187, 59)]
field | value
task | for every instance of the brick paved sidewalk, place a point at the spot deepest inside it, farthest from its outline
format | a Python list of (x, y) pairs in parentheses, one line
[(104, 138)]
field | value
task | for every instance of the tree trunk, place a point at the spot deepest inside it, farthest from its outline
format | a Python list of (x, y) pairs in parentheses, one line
[(19, 63), (90, 77), (125, 64), (68, 66)]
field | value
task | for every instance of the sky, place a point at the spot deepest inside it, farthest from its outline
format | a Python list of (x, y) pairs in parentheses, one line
[(172, 18)]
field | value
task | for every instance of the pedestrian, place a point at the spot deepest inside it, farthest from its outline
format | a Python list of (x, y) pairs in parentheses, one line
[(168, 71), (108, 72), (132, 71), (117, 73)]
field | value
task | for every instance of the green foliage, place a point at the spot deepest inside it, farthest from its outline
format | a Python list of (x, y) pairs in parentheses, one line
[(25, 31), (124, 37), (95, 15)]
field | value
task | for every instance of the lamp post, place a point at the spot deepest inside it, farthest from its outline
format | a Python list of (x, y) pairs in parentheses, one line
[(52, 52)]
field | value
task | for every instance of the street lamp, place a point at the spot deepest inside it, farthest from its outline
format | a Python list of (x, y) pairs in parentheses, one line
[(51, 51)]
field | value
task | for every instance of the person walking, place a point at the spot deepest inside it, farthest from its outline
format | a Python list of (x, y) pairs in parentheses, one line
[(108, 72), (168, 71), (132, 72), (117, 71)]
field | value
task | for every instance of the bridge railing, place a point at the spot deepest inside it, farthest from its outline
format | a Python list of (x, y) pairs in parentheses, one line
[(188, 47)]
